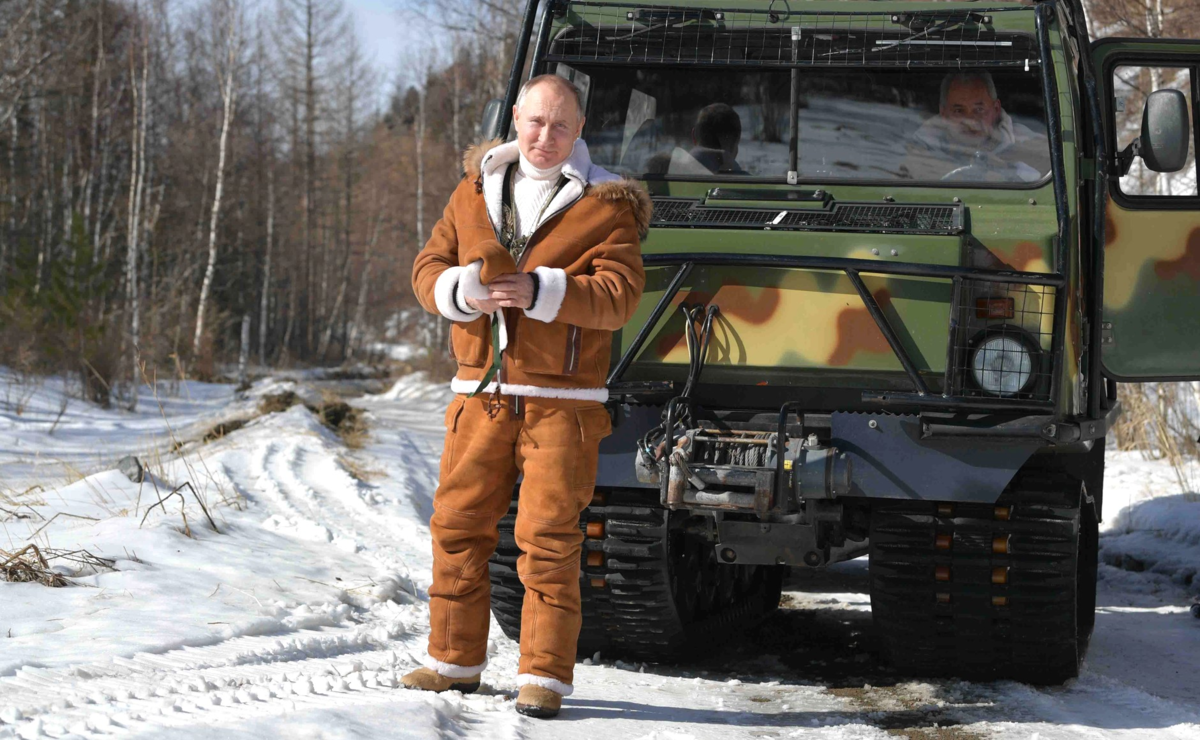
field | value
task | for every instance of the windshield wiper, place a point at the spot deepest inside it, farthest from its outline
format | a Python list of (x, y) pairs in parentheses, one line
[(946, 25)]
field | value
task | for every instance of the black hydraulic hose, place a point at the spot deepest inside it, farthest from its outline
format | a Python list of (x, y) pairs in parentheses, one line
[(706, 338)]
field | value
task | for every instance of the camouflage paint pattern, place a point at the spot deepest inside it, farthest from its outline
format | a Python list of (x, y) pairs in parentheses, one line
[(807, 320), (1152, 293)]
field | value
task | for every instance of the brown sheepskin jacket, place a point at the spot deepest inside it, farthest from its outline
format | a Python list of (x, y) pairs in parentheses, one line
[(584, 253)]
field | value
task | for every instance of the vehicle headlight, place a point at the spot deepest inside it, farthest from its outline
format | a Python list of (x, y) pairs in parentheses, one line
[(1002, 365)]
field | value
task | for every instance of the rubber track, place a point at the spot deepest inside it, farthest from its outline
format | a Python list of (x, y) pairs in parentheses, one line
[(942, 610), (627, 605)]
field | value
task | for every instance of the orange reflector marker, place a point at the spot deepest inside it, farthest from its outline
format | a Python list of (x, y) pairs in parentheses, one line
[(942, 573), (595, 558), (999, 601), (945, 509), (1003, 513), (993, 308), (999, 576), (597, 583), (1000, 545), (595, 530), (943, 598), (943, 541)]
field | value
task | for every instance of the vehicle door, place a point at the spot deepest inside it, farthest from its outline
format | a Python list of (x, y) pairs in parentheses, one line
[(1151, 312)]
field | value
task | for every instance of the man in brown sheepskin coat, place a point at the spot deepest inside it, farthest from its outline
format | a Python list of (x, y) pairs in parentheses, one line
[(536, 260)]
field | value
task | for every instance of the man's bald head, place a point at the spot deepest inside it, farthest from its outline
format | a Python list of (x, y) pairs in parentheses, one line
[(562, 85)]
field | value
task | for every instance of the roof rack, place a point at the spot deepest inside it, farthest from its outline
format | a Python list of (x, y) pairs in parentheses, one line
[(647, 35)]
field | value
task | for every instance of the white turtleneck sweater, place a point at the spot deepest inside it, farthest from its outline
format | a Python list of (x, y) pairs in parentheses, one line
[(531, 188)]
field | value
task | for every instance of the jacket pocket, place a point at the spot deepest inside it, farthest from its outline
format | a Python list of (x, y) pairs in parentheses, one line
[(453, 411), (545, 349), (470, 342), (594, 425)]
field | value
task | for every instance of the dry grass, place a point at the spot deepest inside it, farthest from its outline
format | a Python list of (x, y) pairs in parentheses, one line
[(28, 565), (31, 564), (276, 402), (178, 491), (223, 428), (360, 471), (348, 422)]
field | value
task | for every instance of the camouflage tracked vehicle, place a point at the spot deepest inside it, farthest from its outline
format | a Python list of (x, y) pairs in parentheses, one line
[(901, 254)]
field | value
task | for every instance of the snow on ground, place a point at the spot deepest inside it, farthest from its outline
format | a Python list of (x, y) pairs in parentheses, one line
[(296, 615)]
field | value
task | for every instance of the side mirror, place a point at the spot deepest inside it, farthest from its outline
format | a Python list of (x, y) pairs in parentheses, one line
[(1165, 131), (491, 119), (1163, 145)]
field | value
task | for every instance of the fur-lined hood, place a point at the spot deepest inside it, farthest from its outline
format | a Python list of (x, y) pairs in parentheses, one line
[(482, 161)]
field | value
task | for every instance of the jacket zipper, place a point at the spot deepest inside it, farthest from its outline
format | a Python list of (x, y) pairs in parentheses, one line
[(525, 257), (573, 343)]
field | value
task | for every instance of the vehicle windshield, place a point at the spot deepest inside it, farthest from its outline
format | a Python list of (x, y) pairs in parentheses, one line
[(876, 124)]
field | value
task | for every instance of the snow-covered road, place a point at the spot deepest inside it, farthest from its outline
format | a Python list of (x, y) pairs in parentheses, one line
[(296, 617)]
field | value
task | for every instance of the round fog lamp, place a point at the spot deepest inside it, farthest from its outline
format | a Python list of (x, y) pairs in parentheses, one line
[(1002, 365)]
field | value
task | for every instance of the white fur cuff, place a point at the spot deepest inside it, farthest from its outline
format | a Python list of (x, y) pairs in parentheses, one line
[(458, 385), (445, 295), (558, 687), (552, 288), (449, 670), (469, 285)]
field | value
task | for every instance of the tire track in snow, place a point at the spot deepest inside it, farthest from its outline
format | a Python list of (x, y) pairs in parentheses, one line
[(305, 491), (231, 682), (290, 519), (334, 502)]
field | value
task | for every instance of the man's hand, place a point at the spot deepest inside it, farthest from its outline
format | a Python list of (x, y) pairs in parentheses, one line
[(485, 305), (514, 290)]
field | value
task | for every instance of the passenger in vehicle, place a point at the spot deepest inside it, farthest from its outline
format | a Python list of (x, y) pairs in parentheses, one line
[(715, 139), (973, 137)]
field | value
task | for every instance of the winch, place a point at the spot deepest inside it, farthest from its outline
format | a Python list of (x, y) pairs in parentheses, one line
[(740, 470)]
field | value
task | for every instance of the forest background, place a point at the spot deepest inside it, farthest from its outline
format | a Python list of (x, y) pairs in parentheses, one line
[(189, 186)]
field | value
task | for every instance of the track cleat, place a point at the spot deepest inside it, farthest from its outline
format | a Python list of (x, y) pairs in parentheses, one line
[(427, 679), (535, 701)]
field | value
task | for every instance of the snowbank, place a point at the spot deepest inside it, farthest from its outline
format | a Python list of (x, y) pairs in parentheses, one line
[(1149, 528)]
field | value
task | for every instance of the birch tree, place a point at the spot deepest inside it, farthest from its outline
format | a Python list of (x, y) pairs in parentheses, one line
[(137, 177), (354, 78), (228, 22)]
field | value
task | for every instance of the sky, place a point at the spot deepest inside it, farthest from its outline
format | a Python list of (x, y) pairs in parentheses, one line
[(383, 32)]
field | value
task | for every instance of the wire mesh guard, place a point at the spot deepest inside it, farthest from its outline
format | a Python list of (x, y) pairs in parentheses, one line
[(647, 35), (1002, 341), (892, 219)]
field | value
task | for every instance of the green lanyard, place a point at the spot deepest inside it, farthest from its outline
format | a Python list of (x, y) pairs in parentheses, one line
[(516, 246), (496, 358)]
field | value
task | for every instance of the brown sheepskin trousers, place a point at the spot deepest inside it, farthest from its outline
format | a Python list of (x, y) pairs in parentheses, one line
[(554, 443)]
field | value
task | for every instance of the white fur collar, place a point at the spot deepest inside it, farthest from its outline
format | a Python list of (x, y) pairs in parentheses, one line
[(578, 168)]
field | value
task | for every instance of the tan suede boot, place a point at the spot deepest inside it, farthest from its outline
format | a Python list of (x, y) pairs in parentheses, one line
[(535, 701), (426, 679)]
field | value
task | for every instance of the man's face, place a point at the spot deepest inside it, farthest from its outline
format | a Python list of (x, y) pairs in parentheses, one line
[(547, 125), (971, 110)]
